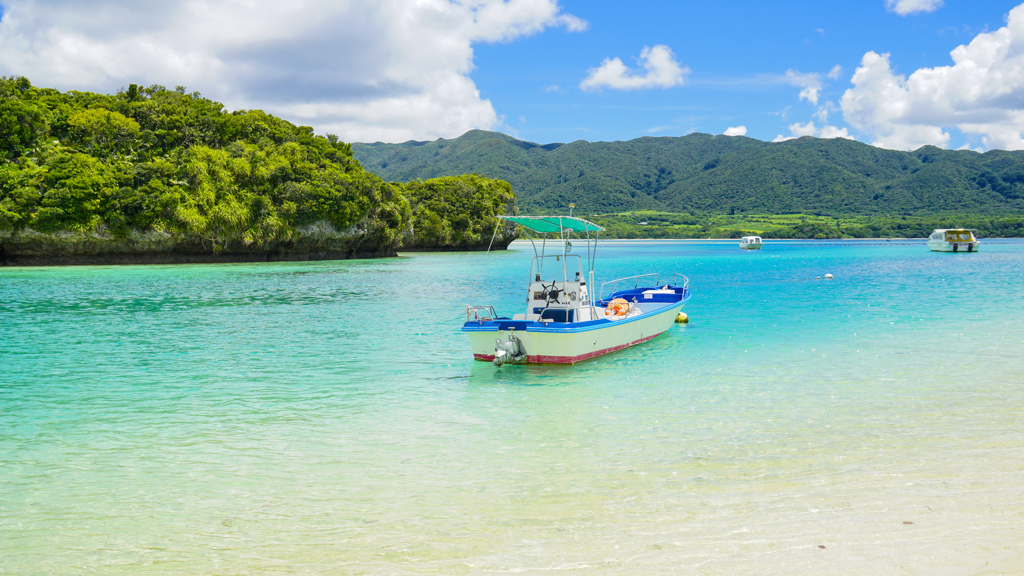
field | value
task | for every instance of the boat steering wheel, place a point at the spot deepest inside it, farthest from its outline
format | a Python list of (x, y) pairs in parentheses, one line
[(551, 293)]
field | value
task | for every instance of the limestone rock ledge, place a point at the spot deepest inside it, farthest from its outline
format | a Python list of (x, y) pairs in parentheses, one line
[(499, 240), (320, 241)]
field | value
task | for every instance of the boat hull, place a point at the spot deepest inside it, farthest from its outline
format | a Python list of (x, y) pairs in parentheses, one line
[(568, 343)]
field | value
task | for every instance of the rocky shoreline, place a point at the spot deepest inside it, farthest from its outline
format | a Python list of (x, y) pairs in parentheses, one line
[(28, 247), (182, 258)]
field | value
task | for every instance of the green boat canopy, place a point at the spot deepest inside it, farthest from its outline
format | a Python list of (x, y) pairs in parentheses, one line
[(544, 224)]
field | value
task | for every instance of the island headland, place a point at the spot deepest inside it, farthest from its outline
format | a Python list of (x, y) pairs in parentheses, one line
[(154, 175)]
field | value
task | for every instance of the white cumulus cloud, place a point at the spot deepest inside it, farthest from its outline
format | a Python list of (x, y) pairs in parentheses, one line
[(834, 132), (799, 130), (367, 70), (809, 129), (904, 7), (661, 70), (809, 84), (981, 94), (736, 131)]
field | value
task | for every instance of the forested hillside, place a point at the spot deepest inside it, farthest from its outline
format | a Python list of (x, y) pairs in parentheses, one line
[(155, 171), (700, 173)]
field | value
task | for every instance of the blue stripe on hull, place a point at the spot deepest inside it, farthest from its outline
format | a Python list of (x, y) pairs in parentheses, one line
[(557, 327)]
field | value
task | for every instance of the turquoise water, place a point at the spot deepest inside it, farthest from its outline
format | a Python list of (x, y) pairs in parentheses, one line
[(327, 418)]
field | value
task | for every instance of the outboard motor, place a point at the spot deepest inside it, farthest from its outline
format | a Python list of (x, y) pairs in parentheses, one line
[(511, 352)]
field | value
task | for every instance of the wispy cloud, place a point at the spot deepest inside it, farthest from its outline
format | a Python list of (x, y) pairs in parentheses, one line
[(809, 84), (658, 129), (825, 110), (753, 82), (905, 7)]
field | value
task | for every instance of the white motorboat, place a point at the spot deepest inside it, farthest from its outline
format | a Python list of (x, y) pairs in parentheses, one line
[(564, 322), (954, 240), (751, 243)]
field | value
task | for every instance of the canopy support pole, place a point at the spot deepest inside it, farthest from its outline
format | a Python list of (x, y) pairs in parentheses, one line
[(493, 235)]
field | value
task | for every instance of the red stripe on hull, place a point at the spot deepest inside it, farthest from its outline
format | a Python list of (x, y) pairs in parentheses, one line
[(542, 359)]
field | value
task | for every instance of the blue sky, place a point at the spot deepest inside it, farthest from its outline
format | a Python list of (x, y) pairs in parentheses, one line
[(738, 55), (879, 71)]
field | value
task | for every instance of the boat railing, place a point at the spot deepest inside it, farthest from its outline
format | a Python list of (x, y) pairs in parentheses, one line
[(635, 280), (685, 284), (480, 313)]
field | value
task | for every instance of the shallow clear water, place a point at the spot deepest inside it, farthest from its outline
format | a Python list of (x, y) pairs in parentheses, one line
[(327, 418)]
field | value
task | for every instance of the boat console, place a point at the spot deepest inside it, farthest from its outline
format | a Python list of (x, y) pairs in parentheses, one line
[(563, 299)]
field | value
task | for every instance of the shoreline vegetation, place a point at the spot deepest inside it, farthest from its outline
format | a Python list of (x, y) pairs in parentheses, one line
[(152, 175), (156, 176), (661, 225)]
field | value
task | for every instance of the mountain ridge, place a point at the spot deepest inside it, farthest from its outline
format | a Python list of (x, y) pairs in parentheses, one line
[(704, 173)]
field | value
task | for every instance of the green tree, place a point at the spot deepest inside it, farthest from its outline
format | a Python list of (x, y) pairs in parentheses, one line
[(76, 187), (103, 131), (22, 125)]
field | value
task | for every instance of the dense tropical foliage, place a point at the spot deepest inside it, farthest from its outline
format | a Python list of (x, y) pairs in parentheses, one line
[(159, 160), (458, 211)]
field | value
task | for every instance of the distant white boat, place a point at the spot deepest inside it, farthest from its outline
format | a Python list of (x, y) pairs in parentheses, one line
[(751, 243), (954, 240)]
